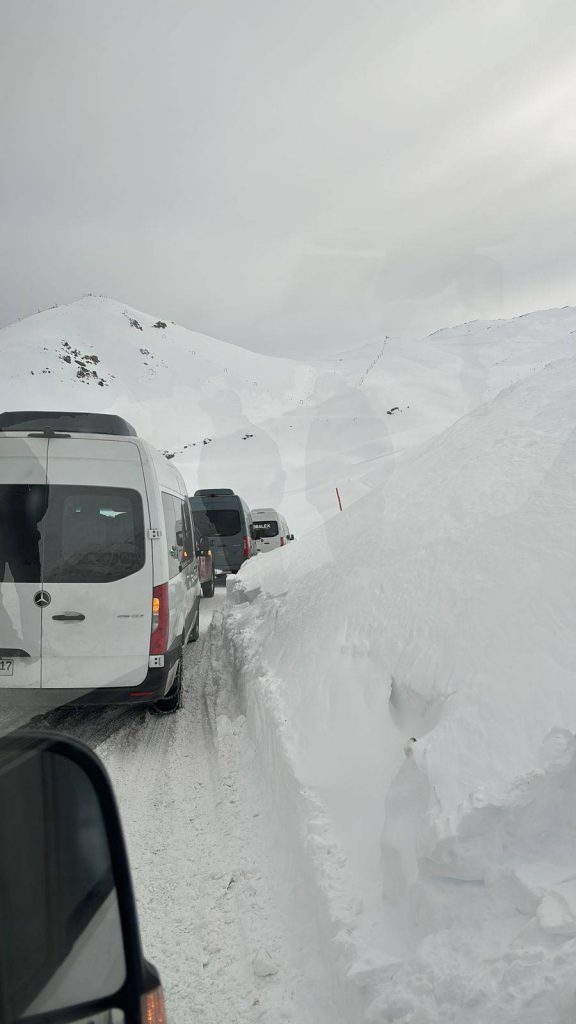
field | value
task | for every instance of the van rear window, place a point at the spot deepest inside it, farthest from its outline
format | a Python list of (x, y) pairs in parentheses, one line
[(22, 509), (217, 522), (268, 529), (67, 534), (92, 534)]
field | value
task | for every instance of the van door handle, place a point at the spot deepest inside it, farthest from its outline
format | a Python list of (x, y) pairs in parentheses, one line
[(69, 617)]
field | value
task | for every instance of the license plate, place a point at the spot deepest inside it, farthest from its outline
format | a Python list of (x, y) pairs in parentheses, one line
[(6, 666)]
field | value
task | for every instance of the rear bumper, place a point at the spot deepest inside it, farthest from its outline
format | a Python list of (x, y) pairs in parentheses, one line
[(225, 567), (151, 689), (224, 561)]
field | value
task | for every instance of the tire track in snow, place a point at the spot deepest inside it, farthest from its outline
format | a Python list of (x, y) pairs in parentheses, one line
[(203, 872)]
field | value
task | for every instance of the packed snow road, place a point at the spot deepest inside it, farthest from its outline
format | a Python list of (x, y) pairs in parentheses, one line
[(217, 918)]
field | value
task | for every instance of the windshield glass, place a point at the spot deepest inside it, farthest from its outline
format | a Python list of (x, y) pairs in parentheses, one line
[(267, 529), (217, 522)]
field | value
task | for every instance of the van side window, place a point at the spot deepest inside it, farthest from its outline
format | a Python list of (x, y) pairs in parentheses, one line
[(173, 528), (189, 540)]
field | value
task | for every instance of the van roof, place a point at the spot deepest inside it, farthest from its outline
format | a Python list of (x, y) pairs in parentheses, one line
[(213, 492), (269, 513), (68, 422)]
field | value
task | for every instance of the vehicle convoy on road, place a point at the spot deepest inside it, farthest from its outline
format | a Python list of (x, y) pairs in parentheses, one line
[(206, 570), (224, 520), (270, 529), (99, 588)]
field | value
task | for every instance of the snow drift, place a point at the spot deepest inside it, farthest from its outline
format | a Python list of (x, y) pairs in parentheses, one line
[(416, 661)]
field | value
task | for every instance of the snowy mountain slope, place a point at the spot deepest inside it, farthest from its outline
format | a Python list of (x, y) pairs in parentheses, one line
[(277, 430), (416, 661), (109, 356)]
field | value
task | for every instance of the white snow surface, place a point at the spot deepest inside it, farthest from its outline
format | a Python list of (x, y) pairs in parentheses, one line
[(405, 673), (417, 661)]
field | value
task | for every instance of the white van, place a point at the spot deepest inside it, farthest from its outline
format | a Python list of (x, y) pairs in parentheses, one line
[(270, 529), (99, 588)]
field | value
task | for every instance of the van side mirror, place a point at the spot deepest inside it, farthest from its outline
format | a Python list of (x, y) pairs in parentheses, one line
[(69, 938), (291, 536)]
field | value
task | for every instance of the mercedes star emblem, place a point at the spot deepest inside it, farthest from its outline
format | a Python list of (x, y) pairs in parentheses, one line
[(42, 598)]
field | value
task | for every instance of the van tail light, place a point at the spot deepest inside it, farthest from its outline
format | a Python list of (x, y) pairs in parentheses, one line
[(282, 541), (245, 548), (153, 1007), (160, 620)]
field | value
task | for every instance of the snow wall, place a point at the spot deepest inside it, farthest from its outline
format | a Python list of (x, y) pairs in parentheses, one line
[(415, 662)]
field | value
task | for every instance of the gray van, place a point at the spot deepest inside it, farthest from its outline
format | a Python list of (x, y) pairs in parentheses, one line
[(224, 521)]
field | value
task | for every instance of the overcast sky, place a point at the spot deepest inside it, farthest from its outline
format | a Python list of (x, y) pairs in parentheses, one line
[(289, 173)]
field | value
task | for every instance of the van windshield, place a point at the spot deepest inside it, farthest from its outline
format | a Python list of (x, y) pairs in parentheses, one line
[(265, 529), (217, 522), (65, 534)]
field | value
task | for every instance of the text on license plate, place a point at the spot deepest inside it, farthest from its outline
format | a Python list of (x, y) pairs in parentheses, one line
[(6, 666)]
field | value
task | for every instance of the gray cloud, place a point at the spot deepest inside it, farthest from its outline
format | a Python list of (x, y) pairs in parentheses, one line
[(307, 174)]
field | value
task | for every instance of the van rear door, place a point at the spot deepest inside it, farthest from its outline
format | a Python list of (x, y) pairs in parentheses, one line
[(97, 566), (22, 507), (221, 522), (266, 532)]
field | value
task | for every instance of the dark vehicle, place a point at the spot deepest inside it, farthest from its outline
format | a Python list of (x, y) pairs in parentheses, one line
[(206, 570), (224, 520), (70, 947)]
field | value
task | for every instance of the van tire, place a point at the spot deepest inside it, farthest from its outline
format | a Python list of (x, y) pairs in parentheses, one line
[(208, 588), (195, 631), (173, 700)]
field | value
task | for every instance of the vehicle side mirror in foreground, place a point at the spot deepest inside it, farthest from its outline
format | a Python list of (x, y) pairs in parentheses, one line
[(69, 939)]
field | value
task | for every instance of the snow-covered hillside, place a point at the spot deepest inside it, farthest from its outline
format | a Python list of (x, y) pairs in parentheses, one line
[(279, 431), (190, 395)]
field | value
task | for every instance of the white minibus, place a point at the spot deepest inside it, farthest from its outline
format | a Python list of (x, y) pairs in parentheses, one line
[(270, 529), (99, 587)]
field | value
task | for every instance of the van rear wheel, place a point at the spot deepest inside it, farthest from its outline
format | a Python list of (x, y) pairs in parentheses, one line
[(173, 699)]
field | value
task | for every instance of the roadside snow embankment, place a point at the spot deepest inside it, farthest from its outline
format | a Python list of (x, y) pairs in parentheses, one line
[(410, 672)]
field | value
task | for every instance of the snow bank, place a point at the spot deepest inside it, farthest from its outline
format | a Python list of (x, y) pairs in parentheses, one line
[(415, 662)]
